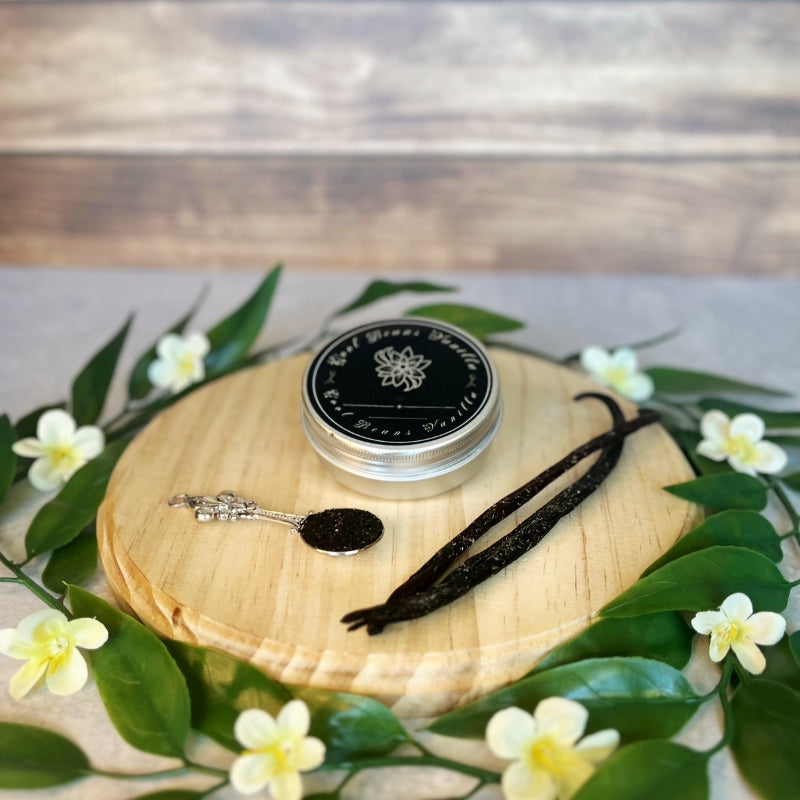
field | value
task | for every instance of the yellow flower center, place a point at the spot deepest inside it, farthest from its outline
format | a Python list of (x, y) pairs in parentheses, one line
[(549, 755), (616, 376), (57, 645), (281, 755), (50, 645), (727, 632), (740, 447), (186, 364), (63, 456)]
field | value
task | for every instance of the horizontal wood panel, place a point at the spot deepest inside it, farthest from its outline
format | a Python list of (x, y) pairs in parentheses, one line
[(245, 76), (409, 213)]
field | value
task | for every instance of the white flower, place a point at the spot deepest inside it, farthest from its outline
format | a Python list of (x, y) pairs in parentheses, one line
[(48, 642), (736, 627), (618, 371), (277, 751), (59, 449), (180, 361), (739, 441), (550, 762)]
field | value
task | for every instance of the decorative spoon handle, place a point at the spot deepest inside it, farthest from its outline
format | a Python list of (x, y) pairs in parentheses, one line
[(230, 506)]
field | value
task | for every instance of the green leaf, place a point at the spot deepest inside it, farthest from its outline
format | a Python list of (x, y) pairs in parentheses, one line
[(782, 666), (34, 758), (351, 726), (378, 290), (772, 419), (638, 345), (727, 490), (74, 507), (142, 688), (794, 644), (766, 734), (90, 387), (681, 381), (75, 562), (701, 581), (792, 481), (663, 637), (735, 528), (8, 458), (221, 687), (231, 338), (172, 794), (786, 441), (639, 697), (655, 770), (476, 321), (139, 385)]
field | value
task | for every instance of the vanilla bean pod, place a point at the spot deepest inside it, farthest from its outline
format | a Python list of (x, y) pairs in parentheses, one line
[(438, 564), (405, 603)]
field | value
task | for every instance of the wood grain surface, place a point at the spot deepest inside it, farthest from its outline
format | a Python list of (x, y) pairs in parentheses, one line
[(257, 591), (657, 78), (580, 136), (409, 214)]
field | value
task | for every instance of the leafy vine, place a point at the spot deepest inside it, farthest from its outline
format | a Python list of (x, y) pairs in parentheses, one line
[(626, 670)]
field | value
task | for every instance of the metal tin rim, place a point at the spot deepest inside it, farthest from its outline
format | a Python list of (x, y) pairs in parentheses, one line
[(411, 464), (413, 461)]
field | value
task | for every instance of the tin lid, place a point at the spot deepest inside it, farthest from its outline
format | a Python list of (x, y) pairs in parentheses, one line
[(401, 400)]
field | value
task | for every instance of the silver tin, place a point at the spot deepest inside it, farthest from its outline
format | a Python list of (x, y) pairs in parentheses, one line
[(402, 408)]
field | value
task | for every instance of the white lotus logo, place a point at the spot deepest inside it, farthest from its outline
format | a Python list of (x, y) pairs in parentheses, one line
[(401, 368)]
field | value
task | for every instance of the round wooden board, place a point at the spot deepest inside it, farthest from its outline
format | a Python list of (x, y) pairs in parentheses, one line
[(258, 592)]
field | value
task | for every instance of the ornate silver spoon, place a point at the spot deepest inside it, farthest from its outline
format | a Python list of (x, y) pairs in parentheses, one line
[(336, 531)]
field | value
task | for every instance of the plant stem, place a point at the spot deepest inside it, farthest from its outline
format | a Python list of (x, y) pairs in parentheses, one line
[(787, 504), (139, 418), (475, 789), (347, 778), (164, 773), (422, 749), (207, 770), (483, 775), (426, 752), (124, 411), (679, 407), (722, 691), (662, 337), (32, 586), (212, 789), (276, 350)]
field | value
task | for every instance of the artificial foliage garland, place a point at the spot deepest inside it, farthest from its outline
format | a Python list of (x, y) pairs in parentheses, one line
[(625, 670)]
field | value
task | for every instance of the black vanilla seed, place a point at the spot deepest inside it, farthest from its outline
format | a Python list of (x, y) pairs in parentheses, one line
[(341, 530)]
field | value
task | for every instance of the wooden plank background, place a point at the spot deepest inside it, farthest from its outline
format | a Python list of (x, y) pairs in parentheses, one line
[(625, 136)]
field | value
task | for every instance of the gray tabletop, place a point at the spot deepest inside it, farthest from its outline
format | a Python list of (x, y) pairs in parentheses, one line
[(53, 320)]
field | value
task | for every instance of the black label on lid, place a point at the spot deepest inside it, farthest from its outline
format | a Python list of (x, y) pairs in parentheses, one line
[(399, 382)]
